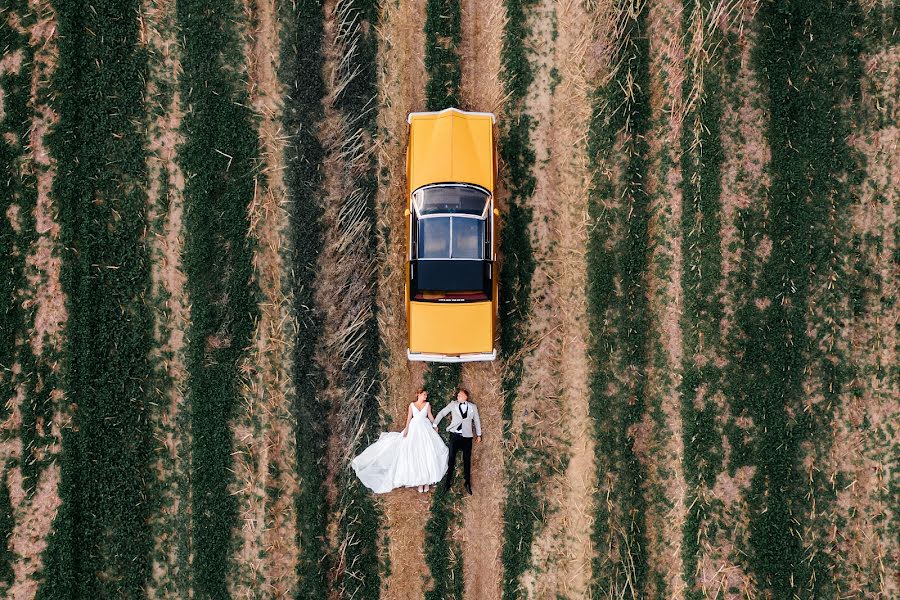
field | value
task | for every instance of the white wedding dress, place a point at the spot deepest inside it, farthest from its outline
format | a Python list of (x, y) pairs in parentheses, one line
[(395, 461)]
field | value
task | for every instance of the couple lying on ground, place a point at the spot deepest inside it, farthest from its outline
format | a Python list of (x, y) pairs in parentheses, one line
[(417, 456)]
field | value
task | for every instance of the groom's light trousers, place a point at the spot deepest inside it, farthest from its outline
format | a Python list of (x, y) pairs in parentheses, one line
[(457, 443)]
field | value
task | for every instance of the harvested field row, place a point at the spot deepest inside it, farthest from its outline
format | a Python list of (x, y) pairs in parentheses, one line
[(523, 455), (170, 522), (480, 527), (402, 81), (348, 351), (265, 457)]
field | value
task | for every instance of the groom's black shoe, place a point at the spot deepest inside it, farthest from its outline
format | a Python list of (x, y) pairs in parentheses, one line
[(469, 488)]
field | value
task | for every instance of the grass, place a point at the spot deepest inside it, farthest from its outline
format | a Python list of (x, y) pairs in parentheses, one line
[(443, 555), (619, 323), (522, 506), (809, 56), (301, 68), (100, 545), (218, 159), (442, 36)]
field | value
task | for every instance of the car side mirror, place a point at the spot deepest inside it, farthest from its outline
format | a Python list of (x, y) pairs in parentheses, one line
[(406, 213)]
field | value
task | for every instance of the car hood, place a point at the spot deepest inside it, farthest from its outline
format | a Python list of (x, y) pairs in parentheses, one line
[(451, 147), (451, 328)]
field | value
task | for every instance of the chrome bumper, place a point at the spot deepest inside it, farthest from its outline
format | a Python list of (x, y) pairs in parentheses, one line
[(449, 358)]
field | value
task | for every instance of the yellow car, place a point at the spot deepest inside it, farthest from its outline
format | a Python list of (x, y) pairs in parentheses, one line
[(451, 283)]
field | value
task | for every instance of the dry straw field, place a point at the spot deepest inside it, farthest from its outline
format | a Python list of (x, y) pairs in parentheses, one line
[(202, 319)]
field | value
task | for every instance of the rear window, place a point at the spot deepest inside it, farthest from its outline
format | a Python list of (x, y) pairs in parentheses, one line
[(450, 237)]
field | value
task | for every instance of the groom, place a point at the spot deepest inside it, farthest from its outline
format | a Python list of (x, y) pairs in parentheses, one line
[(465, 414)]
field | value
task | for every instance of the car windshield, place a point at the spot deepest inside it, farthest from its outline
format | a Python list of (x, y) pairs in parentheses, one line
[(453, 199), (451, 237)]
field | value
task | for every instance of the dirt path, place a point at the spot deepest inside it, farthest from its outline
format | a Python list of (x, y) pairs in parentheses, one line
[(171, 523), (265, 454), (554, 385), (401, 86)]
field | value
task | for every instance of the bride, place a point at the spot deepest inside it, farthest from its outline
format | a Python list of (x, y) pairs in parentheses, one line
[(417, 456)]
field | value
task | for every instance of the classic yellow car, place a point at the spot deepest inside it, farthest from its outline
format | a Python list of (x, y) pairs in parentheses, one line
[(451, 283)]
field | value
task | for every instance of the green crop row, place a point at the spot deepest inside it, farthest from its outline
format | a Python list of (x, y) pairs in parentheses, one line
[(301, 70), (359, 522), (442, 36), (701, 161), (809, 55), (522, 508), (443, 556), (218, 158), (619, 323), (100, 544)]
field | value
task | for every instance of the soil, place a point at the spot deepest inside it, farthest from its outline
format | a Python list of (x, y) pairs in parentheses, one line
[(862, 455), (43, 263), (744, 168)]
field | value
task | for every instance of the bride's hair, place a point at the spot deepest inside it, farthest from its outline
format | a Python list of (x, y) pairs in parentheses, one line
[(419, 390)]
